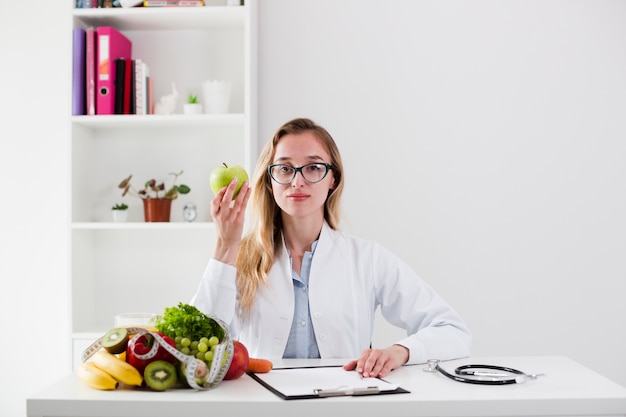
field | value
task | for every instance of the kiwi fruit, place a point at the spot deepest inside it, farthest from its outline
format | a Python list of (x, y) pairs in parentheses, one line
[(115, 340), (160, 375)]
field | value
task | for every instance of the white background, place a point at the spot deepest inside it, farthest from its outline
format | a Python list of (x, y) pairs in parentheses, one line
[(484, 142)]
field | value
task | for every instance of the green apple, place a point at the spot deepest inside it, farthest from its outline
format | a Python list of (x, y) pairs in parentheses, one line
[(221, 176)]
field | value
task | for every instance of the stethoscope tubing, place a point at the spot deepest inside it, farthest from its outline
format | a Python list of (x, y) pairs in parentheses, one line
[(485, 374), (461, 373)]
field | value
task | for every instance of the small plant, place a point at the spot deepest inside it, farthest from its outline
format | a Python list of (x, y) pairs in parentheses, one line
[(154, 189), (121, 206), (192, 99)]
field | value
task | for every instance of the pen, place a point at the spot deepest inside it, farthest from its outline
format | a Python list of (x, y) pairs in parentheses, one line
[(346, 391)]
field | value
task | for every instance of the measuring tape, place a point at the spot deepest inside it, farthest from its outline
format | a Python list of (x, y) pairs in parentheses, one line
[(222, 355)]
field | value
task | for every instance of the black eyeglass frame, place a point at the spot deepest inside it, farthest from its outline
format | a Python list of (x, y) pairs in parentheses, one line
[(299, 169)]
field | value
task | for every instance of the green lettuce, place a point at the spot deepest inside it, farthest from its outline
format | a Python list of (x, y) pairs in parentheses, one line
[(186, 320)]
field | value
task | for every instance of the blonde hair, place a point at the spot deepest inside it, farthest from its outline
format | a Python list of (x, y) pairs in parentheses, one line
[(257, 250)]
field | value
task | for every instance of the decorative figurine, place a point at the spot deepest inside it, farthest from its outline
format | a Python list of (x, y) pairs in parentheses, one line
[(167, 104)]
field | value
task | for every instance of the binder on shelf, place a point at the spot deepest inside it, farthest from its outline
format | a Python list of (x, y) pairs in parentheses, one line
[(78, 72), (129, 87), (90, 71), (127, 91), (112, 45), (119, 82), (321, 382)]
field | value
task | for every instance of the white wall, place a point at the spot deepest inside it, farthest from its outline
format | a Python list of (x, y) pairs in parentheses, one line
[(35, 47), (484, 142)]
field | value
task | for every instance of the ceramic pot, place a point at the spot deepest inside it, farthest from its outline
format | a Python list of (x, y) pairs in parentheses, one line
[(157, 209), (119, 216), (192, 108)]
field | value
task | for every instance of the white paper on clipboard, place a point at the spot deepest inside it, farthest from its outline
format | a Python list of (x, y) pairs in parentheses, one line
[(311, 382)]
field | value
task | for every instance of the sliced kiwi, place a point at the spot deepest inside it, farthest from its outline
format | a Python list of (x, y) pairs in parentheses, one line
[(160, 375), (115, 340)]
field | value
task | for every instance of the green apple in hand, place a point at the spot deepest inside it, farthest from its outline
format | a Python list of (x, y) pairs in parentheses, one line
[(223, 175)]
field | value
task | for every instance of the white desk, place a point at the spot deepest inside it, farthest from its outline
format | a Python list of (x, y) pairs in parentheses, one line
[(568, 389)]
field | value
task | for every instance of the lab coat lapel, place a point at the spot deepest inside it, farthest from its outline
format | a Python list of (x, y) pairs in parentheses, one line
[(331, 286)]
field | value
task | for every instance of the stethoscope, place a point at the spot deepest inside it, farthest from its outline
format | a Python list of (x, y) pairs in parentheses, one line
[(482, 374)]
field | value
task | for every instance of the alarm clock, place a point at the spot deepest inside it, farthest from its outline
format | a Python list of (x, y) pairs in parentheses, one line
[(190, 212)]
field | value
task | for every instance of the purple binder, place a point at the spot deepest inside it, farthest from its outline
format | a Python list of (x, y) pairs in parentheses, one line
[(78, 72)]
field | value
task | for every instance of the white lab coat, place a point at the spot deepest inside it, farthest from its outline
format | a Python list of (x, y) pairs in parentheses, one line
[(349, 279)]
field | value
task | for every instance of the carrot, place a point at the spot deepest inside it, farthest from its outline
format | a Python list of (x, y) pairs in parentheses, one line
[(259, 366)]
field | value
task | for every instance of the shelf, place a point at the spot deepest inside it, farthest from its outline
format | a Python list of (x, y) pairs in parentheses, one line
[(160, 121), (166, 18), (135, 265), (142, 226)]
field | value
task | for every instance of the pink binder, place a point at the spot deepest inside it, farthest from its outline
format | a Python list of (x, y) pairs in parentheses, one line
[(112, 44)]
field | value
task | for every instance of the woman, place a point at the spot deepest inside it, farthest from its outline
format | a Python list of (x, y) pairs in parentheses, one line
[(297, 287)]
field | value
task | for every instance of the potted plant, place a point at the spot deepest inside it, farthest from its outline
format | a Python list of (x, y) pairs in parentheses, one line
[(120, 212), (192, 106), (157, 199)]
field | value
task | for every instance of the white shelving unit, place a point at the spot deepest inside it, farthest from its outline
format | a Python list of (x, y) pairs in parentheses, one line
[(138, 266)]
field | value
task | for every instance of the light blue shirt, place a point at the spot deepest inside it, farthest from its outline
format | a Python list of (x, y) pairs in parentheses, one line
[(301, 343)]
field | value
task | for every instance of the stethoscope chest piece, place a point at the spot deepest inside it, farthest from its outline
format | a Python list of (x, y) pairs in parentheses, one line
[(482, 374)]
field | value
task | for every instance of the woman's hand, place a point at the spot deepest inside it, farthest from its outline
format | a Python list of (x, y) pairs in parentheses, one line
[(228, 216), (377, 363)]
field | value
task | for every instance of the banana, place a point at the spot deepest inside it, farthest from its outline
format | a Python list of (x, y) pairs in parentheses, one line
[(120, 370), (95, 377)]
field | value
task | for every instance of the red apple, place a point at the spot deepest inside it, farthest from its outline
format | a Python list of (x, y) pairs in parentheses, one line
[(142, 345), (240, 361)]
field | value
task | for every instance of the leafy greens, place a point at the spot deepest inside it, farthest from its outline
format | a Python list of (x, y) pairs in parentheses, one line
[(187, 321)]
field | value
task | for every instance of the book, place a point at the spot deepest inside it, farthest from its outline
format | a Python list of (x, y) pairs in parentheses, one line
[(141, 87), (129, 3), (133, 102), (120, 78), (129, 75), (90, 71), (78, 71), (173, 3), (112, 44), (139, 94), (150, 95)]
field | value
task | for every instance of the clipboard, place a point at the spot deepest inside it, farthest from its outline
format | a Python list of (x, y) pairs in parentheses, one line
[(322, 382)]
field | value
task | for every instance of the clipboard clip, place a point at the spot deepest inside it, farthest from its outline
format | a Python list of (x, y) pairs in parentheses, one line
[(345, 391)]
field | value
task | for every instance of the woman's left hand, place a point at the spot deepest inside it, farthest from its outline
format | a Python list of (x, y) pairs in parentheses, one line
[(377, 363)]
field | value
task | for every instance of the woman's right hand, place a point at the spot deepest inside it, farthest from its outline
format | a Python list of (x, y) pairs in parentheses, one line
[(228, 216)]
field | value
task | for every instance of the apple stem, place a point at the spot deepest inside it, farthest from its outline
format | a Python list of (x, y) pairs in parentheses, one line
[(224, 163)]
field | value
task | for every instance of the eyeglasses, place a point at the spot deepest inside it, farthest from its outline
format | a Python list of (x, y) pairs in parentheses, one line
[(312, 173)]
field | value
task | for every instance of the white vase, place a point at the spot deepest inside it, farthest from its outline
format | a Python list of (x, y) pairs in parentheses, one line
[(120, 216), (216, 96)]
